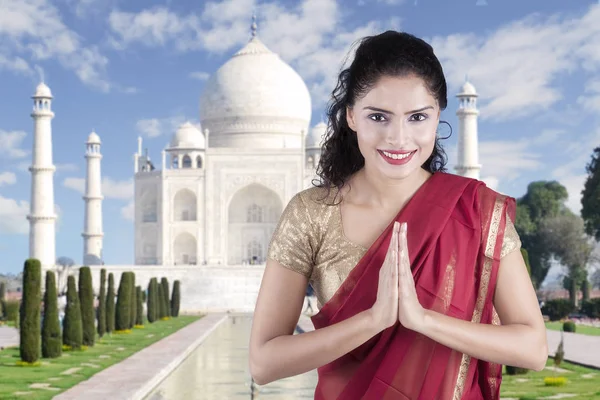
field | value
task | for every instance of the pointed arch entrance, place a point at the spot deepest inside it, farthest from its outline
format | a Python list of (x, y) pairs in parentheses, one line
[(253, 214)]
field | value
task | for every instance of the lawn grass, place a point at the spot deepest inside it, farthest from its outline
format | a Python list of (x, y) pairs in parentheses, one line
[(583, 329), (113, 349), (581, 382)]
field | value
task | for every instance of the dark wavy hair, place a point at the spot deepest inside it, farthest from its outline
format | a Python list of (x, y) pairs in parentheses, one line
[(388, 54)]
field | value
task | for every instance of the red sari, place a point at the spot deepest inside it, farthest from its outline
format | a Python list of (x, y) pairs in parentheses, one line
[(455, 232)]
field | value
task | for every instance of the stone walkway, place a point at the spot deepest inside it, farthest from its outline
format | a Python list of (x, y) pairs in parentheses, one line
[(579, 349), (9, 336), (136, 376)]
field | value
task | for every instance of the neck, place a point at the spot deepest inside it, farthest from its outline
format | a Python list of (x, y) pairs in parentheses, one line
[(382, 192)]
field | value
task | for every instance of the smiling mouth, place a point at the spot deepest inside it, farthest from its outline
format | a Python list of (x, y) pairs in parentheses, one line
[(397, 155)]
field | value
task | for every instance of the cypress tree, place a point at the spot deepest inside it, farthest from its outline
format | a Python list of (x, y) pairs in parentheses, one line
[(123, 310), (51, 337), (162, 309), (30, 313), (165, 284), (139, 320), (86, 301), (133, 301), (110, 304), (102, 304), (176, 299), (151, 306), (72, 329)]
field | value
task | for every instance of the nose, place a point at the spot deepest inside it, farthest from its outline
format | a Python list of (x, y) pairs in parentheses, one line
[(396, 134)]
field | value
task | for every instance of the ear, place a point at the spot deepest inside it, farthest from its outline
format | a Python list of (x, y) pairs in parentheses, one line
[(350, 118)]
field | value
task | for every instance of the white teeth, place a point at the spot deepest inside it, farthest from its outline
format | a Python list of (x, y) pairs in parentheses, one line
[(396, 156)]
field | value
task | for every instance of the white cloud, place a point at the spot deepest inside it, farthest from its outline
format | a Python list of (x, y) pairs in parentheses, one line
[(154, 127), (591, 99), (111, 189), (311, 36), (128, 212), (13, 215), (200, 75), (516, 68), (10, 144), (35, 29), (7, 178)]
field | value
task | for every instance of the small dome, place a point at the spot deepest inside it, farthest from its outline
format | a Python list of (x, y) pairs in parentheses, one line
[(314, 139), (93, 138), (188, 137), (468, 89), (43, 90)]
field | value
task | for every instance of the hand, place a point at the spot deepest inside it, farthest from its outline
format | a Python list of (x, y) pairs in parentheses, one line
[(385, 309), (410, 311)]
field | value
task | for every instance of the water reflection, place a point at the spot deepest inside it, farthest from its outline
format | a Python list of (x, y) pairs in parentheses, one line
[(218, 369)]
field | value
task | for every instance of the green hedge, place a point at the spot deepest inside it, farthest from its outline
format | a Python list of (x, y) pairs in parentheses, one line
[(152, 301), (110, 304), (569, 326), (30, 313), (101, 325), (139, 317), (165, 288), (123, 310), (86, 301), (558, 309), (51, 335), (72, 328), (591, 308), (176, 299), (133, 301)]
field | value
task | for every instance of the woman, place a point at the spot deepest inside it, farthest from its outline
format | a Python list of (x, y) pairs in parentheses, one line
[(414, 269)]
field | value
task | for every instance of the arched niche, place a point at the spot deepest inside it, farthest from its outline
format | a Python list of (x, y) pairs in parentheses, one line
[(185, 249), (253, 214), (184, 205)]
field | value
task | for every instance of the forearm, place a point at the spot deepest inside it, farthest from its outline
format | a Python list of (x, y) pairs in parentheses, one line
[(516, 345), (291, 355)]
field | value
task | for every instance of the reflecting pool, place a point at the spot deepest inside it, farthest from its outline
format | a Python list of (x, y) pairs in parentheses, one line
[(218, 369)]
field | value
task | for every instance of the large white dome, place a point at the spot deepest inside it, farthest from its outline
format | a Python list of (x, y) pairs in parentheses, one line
[(255, 100)]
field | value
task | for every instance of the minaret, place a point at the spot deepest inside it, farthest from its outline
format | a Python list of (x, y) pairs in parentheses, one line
[(42, 218), (468, 148), (92, 230)]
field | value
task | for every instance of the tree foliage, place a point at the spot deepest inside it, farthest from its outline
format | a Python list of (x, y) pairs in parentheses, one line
[(152, 301), (176, 299), (110, 304), (72, 330), (86, 301), (565, 236), (139, 317), (30, 313), (590, 199), (543, 200), (123, 310), (51, 335), (102, 304)]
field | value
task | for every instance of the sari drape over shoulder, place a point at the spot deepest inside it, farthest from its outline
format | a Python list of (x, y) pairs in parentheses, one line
[(455, 231)]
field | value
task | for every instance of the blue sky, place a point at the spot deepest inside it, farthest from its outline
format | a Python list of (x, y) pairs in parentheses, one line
[(136, 68)]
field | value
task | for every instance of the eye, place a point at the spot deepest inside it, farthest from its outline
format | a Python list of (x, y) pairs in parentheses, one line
[(377, 117), (418, 117)]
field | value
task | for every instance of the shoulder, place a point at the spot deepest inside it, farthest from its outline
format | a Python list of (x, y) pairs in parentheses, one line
[(314, 200)]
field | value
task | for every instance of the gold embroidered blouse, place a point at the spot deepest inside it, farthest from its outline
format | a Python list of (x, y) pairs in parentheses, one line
[(310, 240)]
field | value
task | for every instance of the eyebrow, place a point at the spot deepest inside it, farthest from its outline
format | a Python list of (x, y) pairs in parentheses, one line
[(389, 112)]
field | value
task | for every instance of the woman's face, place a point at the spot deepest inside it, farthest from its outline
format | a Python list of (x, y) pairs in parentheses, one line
[(395, 123)]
